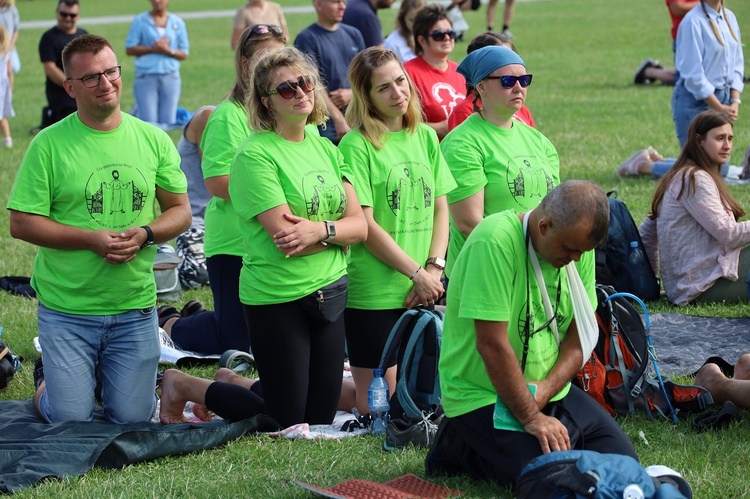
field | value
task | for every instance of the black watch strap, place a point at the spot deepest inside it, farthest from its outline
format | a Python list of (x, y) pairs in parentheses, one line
[(149, 237)]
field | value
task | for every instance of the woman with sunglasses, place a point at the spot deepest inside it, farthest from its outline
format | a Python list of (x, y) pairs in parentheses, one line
[(472, 102), (441, 88), (298, 212), (158, 39), (224, 328), (498, 162), (400, 264), (692, 233)]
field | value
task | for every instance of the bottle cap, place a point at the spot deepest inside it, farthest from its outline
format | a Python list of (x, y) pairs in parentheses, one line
[(378, 373)]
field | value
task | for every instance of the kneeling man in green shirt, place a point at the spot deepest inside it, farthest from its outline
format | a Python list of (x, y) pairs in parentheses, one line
[(511, 341)]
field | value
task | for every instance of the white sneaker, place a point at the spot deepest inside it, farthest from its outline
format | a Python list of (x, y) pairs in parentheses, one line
[(7, 142)]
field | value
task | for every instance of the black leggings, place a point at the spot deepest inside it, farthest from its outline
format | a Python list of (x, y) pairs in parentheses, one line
[(233, 402), (299, 351), (469, 444), (367, 332)]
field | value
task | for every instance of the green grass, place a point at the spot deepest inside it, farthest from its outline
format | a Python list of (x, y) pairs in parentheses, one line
[(583, 54)]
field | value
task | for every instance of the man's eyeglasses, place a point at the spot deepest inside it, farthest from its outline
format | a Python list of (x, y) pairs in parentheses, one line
[(509, 81), (288, 89), (70, 15), (93, 80), (336, 1), (439, 35)]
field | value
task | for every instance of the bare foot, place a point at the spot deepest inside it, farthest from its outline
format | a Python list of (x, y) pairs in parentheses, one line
[(171, 405), (710, 377), (225, 375), (202, 413), (742, 367)]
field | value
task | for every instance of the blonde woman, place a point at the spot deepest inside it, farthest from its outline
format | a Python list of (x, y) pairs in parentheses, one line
[(257, 12), (298, 211), (401, 180), (708, 56)]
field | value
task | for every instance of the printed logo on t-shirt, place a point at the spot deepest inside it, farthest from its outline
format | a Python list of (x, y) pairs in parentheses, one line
[(447, 96), (408, 191), (115, 195), (528, 180), (324, 195)]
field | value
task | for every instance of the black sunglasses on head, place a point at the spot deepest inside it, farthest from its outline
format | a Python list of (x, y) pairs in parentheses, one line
[(288, 89), (439, 35), (509, 81)]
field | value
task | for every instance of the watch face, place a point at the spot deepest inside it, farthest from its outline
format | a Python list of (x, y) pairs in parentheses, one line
[(331, 227)]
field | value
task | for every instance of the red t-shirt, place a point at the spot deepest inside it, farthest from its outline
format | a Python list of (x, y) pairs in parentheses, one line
[(675, 19), (441, 91), (465, 108)]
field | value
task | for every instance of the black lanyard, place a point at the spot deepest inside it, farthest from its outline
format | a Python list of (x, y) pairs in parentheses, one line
[(526, 334)]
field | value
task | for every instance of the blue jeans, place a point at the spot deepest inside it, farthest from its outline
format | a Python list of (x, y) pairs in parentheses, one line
[(126, 348), (662, 167), (157, 96), (685, 107)]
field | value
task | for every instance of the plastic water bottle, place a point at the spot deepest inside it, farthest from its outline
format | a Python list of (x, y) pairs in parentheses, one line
[(635, 254), (377, 397), (633, 491)]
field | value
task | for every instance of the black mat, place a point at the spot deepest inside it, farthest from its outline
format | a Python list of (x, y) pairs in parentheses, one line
[(32, 450), (683, 342)]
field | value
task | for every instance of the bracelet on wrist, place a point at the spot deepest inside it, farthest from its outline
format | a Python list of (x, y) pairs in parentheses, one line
[(734, 100), (411, 278)]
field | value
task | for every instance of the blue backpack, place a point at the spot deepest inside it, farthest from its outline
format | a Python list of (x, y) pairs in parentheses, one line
[(416, 339), (612, 265), (581, 474)]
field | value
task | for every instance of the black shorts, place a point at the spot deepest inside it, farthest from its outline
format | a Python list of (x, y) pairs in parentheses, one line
[(366, 334)]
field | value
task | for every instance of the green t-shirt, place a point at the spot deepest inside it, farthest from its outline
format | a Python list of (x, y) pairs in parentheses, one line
[(95, 180), (267, 172), (400, 182), (489, 283), (225, 130), (516, 167)]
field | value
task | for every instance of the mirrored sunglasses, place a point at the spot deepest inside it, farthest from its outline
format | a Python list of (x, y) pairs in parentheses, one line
[(288, 89), (509, 81), (439, 35)]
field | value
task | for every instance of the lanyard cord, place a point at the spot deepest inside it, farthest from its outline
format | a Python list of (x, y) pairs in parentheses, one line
[(552, 314)]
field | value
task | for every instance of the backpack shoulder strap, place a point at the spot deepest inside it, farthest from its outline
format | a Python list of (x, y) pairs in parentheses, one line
[(394, 338), (402, 386)]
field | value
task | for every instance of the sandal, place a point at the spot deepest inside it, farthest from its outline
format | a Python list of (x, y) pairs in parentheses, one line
[(719, 419), (193, 307), (166, 312), (237, 361), (630, 167)]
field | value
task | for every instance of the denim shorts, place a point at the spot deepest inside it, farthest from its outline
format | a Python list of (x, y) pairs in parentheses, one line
[(123, 349)]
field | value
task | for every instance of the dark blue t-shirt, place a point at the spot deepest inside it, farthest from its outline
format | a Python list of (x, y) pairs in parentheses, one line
[(332, 51), (363, 16)]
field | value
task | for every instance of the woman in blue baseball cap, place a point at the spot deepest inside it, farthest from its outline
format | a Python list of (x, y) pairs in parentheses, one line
[(498, 163)]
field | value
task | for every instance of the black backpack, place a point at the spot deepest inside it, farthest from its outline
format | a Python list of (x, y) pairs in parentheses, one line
[(612, 265), (622, 373), (9, 364), (416, 339)]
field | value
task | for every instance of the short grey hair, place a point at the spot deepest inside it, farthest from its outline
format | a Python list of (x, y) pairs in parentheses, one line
[(575, 200)]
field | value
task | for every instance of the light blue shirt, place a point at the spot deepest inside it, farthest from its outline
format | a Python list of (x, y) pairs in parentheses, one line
[(705, 64), (143, 31)]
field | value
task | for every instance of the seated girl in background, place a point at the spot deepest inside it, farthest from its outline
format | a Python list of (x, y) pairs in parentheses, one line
[(693, 223)]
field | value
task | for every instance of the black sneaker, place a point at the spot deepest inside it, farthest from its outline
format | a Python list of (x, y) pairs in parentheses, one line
[(640, 74), (417, 432), (38, 373)]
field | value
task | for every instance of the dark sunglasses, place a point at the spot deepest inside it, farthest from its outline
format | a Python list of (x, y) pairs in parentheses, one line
[(71, 15), (288, 89), (262, 29), (509, 81), (439, 35)]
